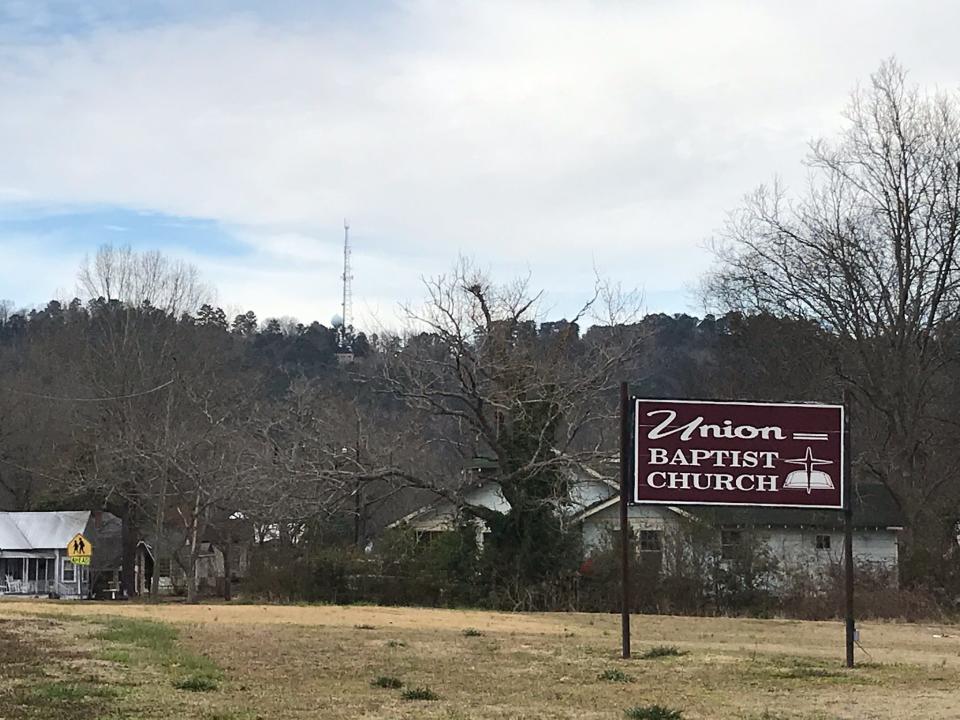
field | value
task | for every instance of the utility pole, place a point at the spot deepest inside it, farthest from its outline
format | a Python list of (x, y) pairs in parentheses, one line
[(346, 307), (159, 519), (358, 521)]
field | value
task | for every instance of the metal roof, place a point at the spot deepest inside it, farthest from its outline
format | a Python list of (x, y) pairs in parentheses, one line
[(873, 506), (40, 530)]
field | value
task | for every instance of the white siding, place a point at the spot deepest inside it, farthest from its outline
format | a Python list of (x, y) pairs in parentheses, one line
[(799, 546), (641, 517), (793, 546), (442, 515), (585, 493)]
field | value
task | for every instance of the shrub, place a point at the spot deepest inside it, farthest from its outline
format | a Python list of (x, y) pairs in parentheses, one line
[(364, 626), (311, 573), (472, 632), (196, 683), (441, 571), (387, 682), (614, 675), (809, 594), (653, 712), (419, 693), (662, 651)]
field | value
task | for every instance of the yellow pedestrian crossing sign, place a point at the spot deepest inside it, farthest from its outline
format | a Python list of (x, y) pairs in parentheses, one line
[(79, 550)]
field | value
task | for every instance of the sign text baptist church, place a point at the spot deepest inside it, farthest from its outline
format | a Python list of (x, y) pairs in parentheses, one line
[(738, 453)]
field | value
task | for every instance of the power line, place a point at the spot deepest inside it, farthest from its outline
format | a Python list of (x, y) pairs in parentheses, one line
[(110, 398)]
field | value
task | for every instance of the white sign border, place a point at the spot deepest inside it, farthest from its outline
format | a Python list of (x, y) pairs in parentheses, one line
[(636, 454)]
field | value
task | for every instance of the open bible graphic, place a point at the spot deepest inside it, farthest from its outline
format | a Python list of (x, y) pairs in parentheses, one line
[(808, 479)]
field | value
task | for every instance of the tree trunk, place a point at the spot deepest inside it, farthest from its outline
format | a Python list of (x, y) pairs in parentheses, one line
[(192, 578), (128, 537), (227, 551), (194, 554), (155, 577), (358, 518)]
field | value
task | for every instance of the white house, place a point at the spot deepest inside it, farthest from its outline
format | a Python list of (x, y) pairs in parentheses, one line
[(33, 552), (587, 489), (796, 537)]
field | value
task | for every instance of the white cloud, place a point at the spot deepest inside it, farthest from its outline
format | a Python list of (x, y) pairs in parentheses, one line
[(550, 135)]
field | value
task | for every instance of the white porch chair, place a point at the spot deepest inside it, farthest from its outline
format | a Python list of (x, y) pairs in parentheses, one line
[(14, 586)]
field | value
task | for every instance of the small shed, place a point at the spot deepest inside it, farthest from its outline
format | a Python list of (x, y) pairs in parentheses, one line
[(33, 552), (225, 544)]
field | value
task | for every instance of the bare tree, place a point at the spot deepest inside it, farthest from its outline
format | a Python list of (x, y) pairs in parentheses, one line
[(132, 345), (331, 450), (212, 471), (870, 253), (481, 368), (144, 278)]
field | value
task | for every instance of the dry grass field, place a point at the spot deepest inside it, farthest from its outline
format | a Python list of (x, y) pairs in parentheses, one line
[(83, 661)]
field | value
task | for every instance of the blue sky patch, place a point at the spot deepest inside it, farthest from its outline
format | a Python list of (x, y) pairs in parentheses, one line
[(86, 230)]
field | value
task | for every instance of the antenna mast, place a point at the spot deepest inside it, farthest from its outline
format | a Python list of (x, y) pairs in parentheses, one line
[(347, 306)]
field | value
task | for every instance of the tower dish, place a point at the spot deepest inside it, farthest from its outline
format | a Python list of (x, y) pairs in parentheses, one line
[(336, 321)]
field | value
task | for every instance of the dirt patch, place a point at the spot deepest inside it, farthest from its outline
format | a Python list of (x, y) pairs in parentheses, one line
[(18, 659), (41, 674)]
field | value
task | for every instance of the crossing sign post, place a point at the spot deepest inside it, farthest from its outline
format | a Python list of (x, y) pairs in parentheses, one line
[(79, 550)]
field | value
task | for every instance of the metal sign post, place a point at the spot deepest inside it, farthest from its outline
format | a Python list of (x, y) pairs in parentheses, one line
[(626, 424), (849, 621), (746, 454)]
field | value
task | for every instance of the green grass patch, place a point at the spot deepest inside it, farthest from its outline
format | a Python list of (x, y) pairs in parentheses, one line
[(653, 712), (420, 693), (662, 651), (62, 700), (387, 682), (71, 692), (115, 655), (396, 644), (196, 665), (196, 683), (805, 672), (146, 634), (472, 632), (808, 670), (147, 643), (614, 675)]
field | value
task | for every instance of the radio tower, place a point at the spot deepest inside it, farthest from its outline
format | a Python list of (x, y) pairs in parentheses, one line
[(347, 306)]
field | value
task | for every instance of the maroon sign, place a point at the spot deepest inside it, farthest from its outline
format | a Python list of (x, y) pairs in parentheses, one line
[(697, 452)]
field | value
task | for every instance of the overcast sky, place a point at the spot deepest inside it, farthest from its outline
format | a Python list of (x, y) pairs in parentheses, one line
[(544, 137)]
